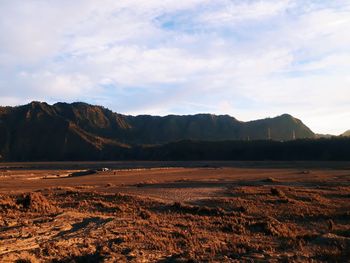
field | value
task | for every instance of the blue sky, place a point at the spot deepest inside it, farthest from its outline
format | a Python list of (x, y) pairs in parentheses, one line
[(247, 58)]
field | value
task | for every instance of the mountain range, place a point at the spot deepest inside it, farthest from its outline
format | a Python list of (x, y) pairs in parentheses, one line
[(39, 131), (347, 133)]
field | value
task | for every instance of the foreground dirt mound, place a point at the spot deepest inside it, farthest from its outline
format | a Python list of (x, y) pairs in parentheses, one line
[(196, 210), (7, 203), (36, 202), (271, 226)]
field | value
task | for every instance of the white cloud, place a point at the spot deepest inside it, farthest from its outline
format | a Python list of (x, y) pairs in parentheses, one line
[(246, 58), (238, 11)]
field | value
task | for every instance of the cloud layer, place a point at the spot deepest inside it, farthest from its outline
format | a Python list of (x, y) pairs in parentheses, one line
[(247, 58)]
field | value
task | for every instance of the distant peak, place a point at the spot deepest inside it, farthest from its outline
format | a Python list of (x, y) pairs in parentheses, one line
[(36, 103), (347, 133), (286, 115)]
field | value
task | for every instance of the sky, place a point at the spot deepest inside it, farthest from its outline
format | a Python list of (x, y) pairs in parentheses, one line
[(247, 58)]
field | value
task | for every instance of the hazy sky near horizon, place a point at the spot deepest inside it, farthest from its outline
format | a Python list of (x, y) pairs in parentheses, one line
[(247, 58)]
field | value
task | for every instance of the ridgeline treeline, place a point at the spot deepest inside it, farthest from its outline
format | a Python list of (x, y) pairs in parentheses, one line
[(333, 149)]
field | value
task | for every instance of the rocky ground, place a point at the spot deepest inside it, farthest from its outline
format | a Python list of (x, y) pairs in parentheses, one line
[(176, 215)]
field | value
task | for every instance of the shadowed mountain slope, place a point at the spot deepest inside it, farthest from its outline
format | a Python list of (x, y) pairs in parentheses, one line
[(40, 131), (153, 129)]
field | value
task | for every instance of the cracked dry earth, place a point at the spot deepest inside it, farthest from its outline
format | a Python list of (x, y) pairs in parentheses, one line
[(194, 215)]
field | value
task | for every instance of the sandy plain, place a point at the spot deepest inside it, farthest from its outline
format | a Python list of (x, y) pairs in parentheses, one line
[(217, 212)]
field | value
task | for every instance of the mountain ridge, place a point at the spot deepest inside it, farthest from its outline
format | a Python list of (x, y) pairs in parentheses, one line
[(346, 133), (38, 130)]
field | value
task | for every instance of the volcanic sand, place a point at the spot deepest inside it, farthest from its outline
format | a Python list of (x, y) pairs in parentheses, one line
[(203, 214)]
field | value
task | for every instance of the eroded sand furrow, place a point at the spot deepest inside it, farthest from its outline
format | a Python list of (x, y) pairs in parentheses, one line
[(66, 226)]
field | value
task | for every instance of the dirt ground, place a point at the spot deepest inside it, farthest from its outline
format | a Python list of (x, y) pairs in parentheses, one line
[(164, 214)]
